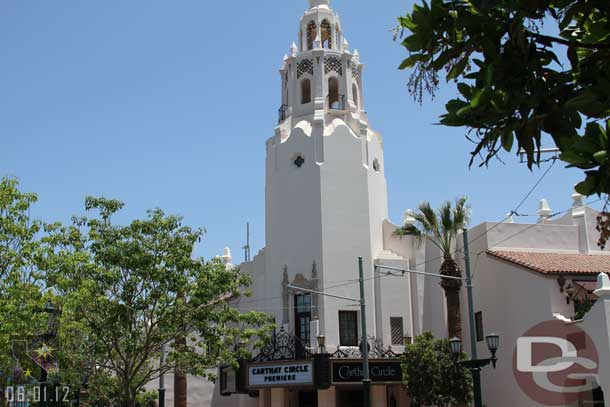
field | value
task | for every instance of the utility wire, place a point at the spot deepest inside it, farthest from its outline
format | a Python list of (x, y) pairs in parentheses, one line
[(554, 215), (516, 210), (390, 274)]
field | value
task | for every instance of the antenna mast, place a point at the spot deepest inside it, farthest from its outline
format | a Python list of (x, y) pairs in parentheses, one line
[(247, 246)]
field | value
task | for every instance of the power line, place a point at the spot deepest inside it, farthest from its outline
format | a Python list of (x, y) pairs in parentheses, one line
[(531, 191), (516, 210), (554, 215)]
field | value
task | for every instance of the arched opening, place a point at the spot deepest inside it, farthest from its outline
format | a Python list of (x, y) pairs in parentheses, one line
[(333, 93), (327, 34), (338, 37), (312, 33), (305, 91), (355, 95)]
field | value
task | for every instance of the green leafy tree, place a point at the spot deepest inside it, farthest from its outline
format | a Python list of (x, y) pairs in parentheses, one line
[(127, 291), (432, 375), (524, 70), (21, 282), (441, 228)]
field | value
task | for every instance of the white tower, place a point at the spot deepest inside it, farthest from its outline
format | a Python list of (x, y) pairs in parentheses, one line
[(326, 197)]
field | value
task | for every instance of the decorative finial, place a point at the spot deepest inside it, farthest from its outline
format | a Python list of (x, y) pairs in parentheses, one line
[(603, 286), (316, 3), (544, 211), (226, 257), (345, 44), (409, 220), (578, 200), (293, 50), (509, 218)]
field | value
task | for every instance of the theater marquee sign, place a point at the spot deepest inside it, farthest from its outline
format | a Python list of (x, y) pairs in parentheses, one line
[(380, 371), (280, 374)]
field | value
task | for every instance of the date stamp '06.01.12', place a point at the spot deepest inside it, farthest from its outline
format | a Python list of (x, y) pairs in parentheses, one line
[(35, 394)]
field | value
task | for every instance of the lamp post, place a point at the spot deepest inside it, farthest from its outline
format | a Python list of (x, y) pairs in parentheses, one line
[(493, 341), (162, 379), (475, 365), (366, 380), (321, 343)]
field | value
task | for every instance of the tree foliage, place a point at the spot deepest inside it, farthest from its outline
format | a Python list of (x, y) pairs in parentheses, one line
[(127, 291), (432, 374), (21, 282), (441, 228), (524, 70)]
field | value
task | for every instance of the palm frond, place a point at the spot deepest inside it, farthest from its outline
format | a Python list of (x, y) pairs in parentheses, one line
[(411, 230), (461, 213), (427, 218), (447, 230), (439, 227)]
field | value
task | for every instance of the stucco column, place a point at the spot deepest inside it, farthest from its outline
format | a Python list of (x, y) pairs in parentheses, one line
[(263, 398), (278, 397), (379, 396), (327, 398), (400, 395)]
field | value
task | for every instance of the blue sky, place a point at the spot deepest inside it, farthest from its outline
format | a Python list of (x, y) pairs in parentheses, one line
[(169, 104)]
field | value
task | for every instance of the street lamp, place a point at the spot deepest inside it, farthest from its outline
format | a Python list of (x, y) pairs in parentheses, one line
[(456, 346), (475, 365), (493, 343)]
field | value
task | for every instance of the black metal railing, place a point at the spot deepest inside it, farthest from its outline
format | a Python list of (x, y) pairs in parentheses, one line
[(282, 113), (337, 102)]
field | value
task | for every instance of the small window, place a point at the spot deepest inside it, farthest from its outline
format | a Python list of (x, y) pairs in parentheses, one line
[(312, 33), (348, 328), (299, 161), (397, 331), (302, 315), (333, 93), (376, 165), (327, 34), (478, 318), (305, 91), (355, 94)]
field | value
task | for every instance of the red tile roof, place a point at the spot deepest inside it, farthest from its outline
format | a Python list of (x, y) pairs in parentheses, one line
[(557, 263)]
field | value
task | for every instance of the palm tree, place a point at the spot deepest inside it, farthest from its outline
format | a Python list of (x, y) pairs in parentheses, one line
[(441, 228)]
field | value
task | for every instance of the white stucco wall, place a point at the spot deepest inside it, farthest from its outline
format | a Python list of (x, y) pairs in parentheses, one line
[(597, 324)]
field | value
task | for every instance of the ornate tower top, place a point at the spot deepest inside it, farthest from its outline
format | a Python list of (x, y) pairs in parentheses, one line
[(316, 3), (321, 77)]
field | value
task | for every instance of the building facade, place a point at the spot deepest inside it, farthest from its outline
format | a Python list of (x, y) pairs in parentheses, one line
[(326, 206), (523, 275)]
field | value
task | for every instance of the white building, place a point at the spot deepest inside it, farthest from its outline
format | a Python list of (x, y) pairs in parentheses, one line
[(524, 274), (326, 206)]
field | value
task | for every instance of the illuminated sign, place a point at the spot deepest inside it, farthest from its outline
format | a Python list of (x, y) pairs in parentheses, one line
[(379, 371), (274, 375)]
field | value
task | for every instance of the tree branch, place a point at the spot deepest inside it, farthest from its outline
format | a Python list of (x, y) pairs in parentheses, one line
[(575, 44)]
